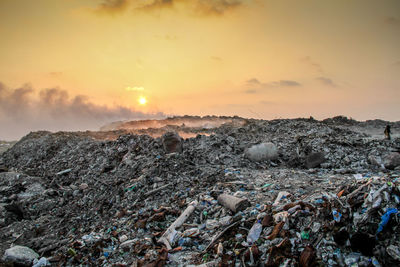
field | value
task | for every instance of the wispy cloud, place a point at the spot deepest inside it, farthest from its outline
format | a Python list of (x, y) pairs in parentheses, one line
[(25, 109), (326, 81), (55, 74), (134, 89), (251, 91), (254, 85), (156, 5), (253, 81), (311, 63), (112, 7), (216, 7), (280, 83), (167, 37), (284, 83), (199, 7), (264, 102), (216, 58), (392, 21)]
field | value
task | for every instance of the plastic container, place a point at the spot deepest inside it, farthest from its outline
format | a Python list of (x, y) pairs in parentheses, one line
[(254, 232)]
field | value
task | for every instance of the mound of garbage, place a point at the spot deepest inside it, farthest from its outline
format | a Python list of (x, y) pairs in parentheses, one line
[(243, 192)]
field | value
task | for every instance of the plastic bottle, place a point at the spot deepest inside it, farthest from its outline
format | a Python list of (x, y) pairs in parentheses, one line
[(254, 232), (42, 262)]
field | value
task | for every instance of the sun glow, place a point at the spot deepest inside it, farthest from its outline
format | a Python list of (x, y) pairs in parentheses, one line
[(142, 100)]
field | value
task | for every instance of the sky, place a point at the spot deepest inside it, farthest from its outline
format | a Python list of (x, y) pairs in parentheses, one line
[(78, 64)]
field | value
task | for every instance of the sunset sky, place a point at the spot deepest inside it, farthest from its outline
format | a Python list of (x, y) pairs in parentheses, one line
[(71, 64)]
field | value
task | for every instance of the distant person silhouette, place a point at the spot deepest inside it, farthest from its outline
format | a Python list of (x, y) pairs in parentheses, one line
[(387, 132)]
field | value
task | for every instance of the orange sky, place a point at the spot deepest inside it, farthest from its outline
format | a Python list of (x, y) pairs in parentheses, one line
[(252, 58)]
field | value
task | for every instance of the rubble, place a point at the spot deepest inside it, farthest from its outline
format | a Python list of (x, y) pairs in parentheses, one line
[(20, 255), (392, 161), (121, 199), (315, 159), (235, 204), (172, 142), (261, 152)]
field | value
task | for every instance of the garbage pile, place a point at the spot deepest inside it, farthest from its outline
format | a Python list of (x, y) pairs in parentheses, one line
[(262, 193)]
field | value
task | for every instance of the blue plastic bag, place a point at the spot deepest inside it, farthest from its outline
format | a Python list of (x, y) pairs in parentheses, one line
[(385, 219)]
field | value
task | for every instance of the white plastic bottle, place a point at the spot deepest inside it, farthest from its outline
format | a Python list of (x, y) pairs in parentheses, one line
[(254, 233)]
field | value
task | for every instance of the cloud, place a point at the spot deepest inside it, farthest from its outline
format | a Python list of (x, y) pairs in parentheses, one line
[(251, 91), (156, 5), (284, 83), (216, 7), (167, 37), (267, 102), (392, 21), (311, 63), (254, 85), (55, 74), (253, 81), (216, 58), (25, 109), (112, 7), (198, 7), (134, 89), (281, 83), (326, 81)]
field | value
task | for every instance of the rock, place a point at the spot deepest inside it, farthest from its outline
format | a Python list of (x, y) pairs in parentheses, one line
[(374, 161), (172, 142), (32, 191), (315, 159), (263, 151), (83, 186), (3, 168), (123, 238), (392, 161), (20, 255)]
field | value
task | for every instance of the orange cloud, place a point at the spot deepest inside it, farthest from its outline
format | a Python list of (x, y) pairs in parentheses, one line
[(199, 7), (112, 7)]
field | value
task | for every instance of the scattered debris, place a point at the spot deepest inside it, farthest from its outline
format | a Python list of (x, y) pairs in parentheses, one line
[(120, 199)]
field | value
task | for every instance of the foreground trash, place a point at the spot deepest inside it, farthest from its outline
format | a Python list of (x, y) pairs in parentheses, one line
[(78, 201)]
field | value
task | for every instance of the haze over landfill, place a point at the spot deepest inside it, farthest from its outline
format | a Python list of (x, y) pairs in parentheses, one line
[(79, 64)]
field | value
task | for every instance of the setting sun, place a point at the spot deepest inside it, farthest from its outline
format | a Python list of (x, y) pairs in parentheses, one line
[(142, 100)]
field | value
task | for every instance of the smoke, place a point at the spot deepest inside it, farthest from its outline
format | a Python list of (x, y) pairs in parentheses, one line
[(24, 109)]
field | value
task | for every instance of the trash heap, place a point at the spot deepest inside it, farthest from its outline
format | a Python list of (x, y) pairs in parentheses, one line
[(262, 193)]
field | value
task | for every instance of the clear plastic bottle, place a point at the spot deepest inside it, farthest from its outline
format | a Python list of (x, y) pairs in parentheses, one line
[(254, 232)]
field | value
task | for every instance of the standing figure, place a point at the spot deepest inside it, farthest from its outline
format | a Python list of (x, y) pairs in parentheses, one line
[(387, 132)]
